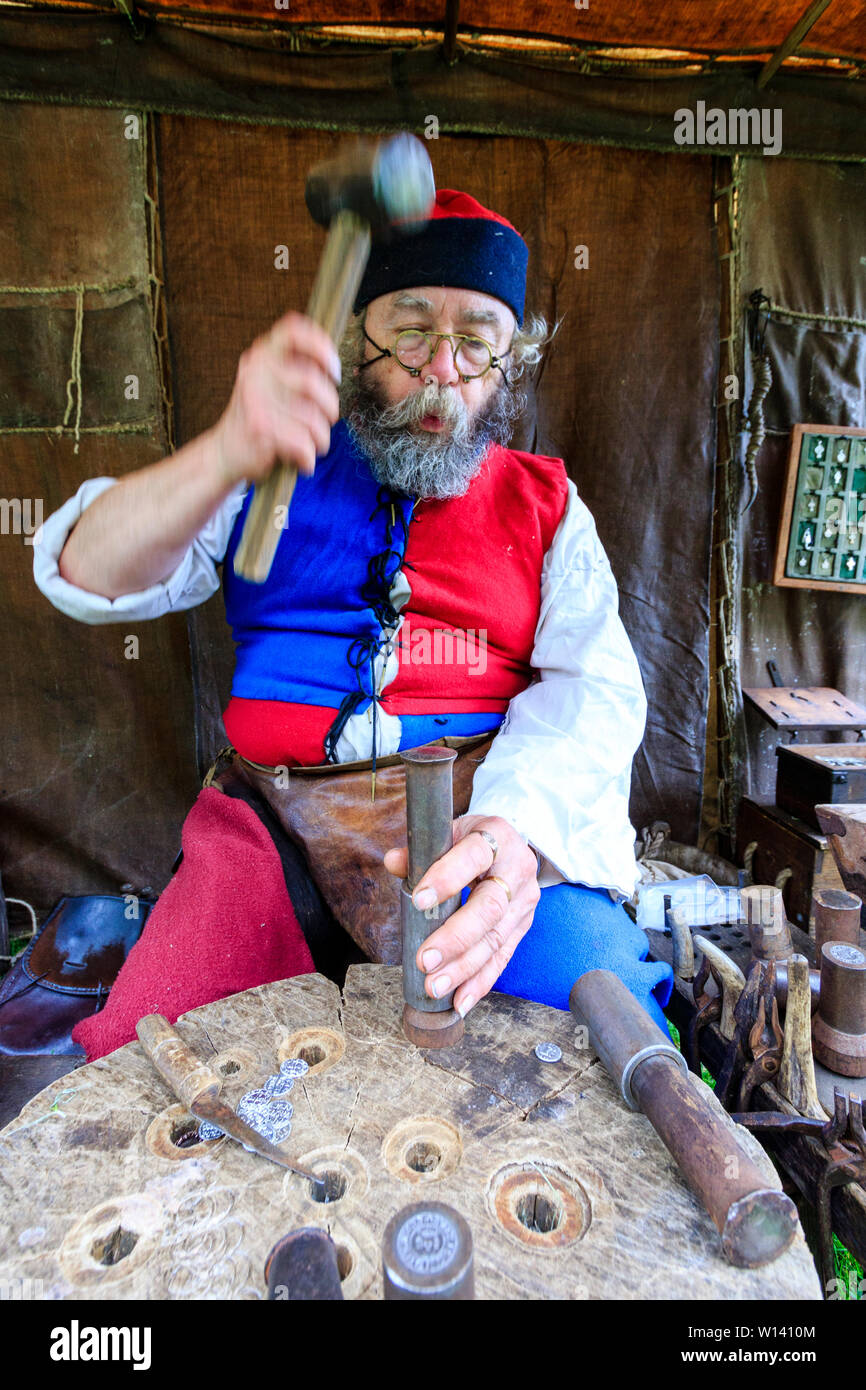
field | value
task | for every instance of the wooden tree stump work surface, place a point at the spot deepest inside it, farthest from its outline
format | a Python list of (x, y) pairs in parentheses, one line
[(568, 1194)]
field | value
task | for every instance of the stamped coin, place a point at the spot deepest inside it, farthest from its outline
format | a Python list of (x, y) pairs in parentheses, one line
[(548, 1052), (279, 1085), (256, 1098), (294, 1066), (208, 1131), (280, 1130)]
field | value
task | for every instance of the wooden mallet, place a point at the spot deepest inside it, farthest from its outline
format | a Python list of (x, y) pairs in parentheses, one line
[(371, 189)]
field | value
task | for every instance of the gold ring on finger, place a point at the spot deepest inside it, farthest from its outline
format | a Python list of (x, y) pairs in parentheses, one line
[(494, 878)]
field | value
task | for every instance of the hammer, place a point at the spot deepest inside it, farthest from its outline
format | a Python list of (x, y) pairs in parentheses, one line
[(370, 189)]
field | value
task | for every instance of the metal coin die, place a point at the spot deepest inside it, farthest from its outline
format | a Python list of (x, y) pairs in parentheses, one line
[(266, 1110), (427, 1253), (839, 1026), (303, 1267), (429, 810)]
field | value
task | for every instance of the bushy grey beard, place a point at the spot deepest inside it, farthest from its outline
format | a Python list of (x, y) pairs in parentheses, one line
[(416, 462)]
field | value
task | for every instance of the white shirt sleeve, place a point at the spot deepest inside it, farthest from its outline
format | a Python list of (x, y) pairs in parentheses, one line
[(194, 580), (559, 769)]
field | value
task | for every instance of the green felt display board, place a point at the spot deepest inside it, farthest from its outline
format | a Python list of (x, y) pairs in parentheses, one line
[(822, 540)]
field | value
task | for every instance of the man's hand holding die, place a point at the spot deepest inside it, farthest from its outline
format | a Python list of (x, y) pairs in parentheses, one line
[(469, 952)]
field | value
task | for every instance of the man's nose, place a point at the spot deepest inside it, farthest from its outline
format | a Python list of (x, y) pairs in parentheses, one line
[(442, 364)]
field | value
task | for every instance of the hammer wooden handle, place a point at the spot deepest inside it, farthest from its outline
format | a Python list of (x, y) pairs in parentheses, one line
[(188, 1077), (797, 1072), (340, 272), (732, 978)]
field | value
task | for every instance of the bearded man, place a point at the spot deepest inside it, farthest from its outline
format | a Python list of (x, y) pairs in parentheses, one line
[(431, 583)]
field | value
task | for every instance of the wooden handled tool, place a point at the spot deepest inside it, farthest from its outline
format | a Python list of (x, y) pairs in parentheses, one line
[(370, 189), (730, 978), (757, 1223), (198, 1087), (797, 1072)]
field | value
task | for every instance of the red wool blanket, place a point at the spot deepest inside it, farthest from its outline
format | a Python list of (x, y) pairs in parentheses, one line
[(223, 924)]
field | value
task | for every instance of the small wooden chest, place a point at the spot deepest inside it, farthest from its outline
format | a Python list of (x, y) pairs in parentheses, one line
[(809, 775), (783, 842)]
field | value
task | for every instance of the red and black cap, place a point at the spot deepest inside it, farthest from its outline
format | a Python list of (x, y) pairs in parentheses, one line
[(463, 246)]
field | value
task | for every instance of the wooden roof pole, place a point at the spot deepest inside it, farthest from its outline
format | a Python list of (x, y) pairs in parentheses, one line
[(449, 36), (796, 36)]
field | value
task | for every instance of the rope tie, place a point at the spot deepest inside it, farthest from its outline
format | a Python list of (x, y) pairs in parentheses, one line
[(73, 383)]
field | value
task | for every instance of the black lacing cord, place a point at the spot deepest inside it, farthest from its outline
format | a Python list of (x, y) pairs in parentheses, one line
[(348, 705), (381, 571)]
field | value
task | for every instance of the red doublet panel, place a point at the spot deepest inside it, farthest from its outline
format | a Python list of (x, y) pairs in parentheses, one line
[(274, 732), (474, 566)]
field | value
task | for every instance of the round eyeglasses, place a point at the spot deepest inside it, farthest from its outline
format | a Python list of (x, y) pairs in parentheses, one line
[(414, 348)]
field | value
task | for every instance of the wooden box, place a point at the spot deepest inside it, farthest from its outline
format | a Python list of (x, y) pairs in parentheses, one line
[(785, 843), (812, 774)]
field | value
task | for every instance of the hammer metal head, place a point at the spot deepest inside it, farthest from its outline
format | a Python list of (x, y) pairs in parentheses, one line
[(388, 183)]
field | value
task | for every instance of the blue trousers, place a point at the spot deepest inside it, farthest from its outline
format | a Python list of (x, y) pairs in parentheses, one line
[(576, 929)]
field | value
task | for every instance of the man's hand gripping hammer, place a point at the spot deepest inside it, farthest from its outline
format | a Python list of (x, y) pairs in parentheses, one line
[(382, 190)]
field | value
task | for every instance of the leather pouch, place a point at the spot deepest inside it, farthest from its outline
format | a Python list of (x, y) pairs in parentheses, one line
[(66, 972), (329, 812)]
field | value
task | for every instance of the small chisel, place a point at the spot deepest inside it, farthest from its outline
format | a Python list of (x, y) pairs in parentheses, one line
[(198, 1087)]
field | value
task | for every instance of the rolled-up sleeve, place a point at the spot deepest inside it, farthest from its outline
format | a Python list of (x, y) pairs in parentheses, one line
[(559, 768), (192, 582)]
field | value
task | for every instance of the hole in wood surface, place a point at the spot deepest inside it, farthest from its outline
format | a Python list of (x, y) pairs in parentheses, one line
[(422, 1148), (320, 1048), (312, 1055), (113, 1248), (229, 1068), (539, 1204), (184, 1133), (335, 1184), (174, 1134), (345, 1262), (113, 1240), (537, 1213), (423, 1157)]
